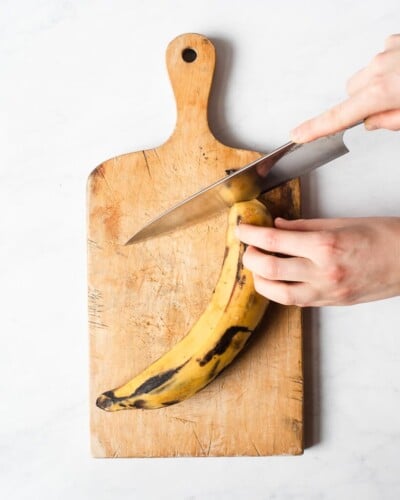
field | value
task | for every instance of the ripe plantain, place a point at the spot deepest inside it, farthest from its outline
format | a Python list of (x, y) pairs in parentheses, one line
[(215, 339)]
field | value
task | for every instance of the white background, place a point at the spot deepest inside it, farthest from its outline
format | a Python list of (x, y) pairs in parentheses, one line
[(82, 81)]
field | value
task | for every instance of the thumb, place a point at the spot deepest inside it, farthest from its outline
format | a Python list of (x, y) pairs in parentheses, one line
[(386, 119)]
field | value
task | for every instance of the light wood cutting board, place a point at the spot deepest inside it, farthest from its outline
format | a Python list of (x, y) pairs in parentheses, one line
[(143, 298)]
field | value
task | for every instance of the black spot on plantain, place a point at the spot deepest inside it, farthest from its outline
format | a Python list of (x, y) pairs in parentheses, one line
[(109, 394), (108, 398), (213, 371), (242, 280), (240, 266), (239, 274), (157, 380), (223, 343), (140, 403), (172, 402)]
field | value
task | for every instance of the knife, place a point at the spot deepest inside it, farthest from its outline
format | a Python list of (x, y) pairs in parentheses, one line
[(268, 172)]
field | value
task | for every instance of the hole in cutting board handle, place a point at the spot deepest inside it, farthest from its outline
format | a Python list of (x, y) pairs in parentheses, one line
[(189, 55)]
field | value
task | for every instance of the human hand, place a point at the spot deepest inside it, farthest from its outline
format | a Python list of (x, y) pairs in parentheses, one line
[(328, 261), (374, 96)]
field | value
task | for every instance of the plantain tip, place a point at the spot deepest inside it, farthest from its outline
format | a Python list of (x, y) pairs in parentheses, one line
[(104, 402)]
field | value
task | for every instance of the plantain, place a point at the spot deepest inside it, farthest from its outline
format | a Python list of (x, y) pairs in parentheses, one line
[(215, 339)]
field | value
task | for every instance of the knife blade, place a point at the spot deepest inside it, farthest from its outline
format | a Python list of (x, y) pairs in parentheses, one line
[(287, 162)]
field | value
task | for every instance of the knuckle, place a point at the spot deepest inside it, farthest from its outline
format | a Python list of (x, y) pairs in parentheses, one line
[(380, 88), (379, 61), (271, 268), (392, 40), (336, 274), (328, 242), (270, 240), (336, 116)]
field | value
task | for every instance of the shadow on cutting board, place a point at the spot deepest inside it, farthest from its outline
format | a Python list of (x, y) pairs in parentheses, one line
[(311, 341), (311, 371), (225, 132)]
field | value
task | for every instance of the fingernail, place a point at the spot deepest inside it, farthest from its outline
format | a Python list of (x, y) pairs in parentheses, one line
[(370, 126), (296, 135)]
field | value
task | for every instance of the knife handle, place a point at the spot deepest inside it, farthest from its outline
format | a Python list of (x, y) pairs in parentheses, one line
[(191, 63)]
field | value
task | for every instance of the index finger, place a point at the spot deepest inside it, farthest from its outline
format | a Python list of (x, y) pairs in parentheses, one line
[(368, 101), (331, 121), (293, 243)]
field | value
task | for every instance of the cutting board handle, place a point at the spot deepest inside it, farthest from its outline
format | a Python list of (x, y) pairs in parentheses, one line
[(191, 62)]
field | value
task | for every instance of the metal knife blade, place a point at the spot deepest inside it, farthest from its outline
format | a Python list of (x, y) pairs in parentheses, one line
[(284, 163)]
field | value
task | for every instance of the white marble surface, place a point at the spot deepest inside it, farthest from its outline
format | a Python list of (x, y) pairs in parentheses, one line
[(82, 81)]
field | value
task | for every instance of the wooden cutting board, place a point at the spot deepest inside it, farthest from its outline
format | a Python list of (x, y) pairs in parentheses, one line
[(143, 298)]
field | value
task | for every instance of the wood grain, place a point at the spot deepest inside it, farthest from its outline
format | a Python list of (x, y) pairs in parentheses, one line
[(143, 298)]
